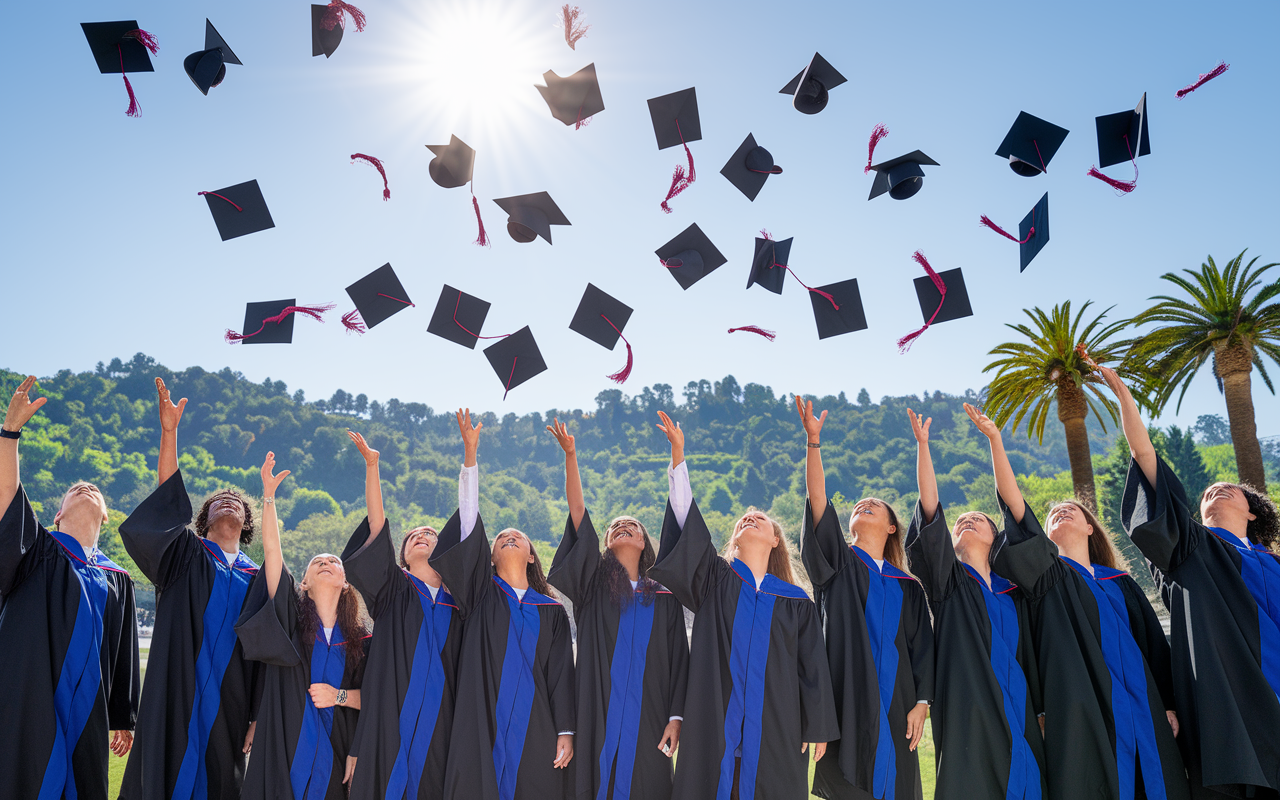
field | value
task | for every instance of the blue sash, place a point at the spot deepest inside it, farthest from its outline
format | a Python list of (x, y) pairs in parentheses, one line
[(312, 765), (516, 689), (884, 614), (626, 686), (1261, 573)]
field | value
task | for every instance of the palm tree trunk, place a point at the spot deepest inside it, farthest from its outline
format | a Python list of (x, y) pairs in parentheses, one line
[(1234, 363), (1072, 410)]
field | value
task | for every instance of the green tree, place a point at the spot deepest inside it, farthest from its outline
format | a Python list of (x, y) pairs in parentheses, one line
[(1184, 457), (1221, 323)]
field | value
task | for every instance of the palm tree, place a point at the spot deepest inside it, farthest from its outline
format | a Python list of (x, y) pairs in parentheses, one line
[(1217, 323), (1048, 367)]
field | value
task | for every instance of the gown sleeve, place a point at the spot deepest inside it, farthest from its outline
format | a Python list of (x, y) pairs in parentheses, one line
[(20, 533), (823, 550), (1149, 635), (267, 624), (126, 683), (817, 701), (679, 647), (920, 643), (933, 558), (1158, 518), (687, 564), (465, 564), (1027, 558), (576, 560), (157, 535), (1027, 654), (559, 674), (372, 567)]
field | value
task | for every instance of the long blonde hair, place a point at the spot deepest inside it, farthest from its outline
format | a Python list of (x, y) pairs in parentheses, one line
[(894, 552), (779, 556)]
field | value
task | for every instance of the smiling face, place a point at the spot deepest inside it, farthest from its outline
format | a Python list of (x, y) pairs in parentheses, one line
[(512, 547), (418, 545), (1068, 525), (226, 509), (975, 530), (82, 504), (325, 570), (625, 533), (755, 527), (1224, 501), (871, 516)]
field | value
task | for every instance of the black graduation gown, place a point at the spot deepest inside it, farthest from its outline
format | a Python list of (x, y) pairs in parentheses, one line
[(986, 695), (299, 751), (758, 682), (1104, 672), (196, 662), (1226, 650), (69, 659), (515, 687), (406, 703), (632, 669), (880, 648)]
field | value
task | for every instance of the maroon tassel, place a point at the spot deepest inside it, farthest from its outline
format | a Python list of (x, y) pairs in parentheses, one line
[(770, 335), (514, 361), (144, 38), (386, 188), (573, 27), (904, 344), (229, 200), (398, 300), (352, 322), (621, 375), (877, 133), (985, 220), (1204, 78), (133, 110), (1121, 187), (483, 238), (333, 16), (680, 181), (581, 123), (315, 312), (766, 235)]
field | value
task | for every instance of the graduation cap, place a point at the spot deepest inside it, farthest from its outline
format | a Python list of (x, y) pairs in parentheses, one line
[(328, 23), (459, 317), (515, 359), (848, 317), (1122, 137), (811, 86), (901, 177), (531, 215), (271, 322), (769, 267), (690, 256), (575, 99), (942, 297), (601, 318), (675, 122), (749, 167), (377, 296), (121, 47), (451, 168), (1031, 144), (239, 210), (206, 68), (1033, 232)]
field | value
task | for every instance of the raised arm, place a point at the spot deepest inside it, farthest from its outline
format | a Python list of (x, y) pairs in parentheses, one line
[(679, 492), (372, 486), (1140, 447), (1006, 483), (926, 479), (814, 478), (468, 479), (21, 409), (170, 416), (572, 480), (272, 557)]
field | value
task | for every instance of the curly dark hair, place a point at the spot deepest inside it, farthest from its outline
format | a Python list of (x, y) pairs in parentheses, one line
[(349, 622), (1264, 529), (246, 532), (615, 576)]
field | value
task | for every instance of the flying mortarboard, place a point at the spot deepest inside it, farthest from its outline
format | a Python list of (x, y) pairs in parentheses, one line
[(121, 47), (575, 99), (942, 297), (1031, 144), (901, 177), (531, 215), (849, 317), (459, 317), (769, 267), (452, 164), (515, 359), (377, 296), (328, 23), (1034, 231), (675, 121), (602, 318), (749, 167), (811, 86), (271, 322), (239, 210), (690, 256), (1123, 136), (207, 68)]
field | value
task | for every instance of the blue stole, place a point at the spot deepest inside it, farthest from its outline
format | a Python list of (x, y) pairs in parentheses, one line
[(748, 656), (516, 688), (312, 764), (626, 686), (1130, 708), (226, 596), (1261, 572), (1024, 772), (424, 693), (81, 674)]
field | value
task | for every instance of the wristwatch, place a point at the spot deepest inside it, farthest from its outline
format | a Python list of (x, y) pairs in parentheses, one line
[(5, 434), (342, 697)]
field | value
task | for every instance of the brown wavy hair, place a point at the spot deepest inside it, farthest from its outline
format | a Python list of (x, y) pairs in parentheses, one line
[(404, 543), (1264, 529), (349, 622), (1102, 550), (615, 576), (246, 531), (533, 570), (779, 556), (894, 552)]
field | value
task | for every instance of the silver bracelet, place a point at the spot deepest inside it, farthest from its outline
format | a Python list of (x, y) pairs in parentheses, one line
[(268, 501)]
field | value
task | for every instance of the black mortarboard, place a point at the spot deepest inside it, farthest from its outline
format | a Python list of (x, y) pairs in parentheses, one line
[(255, 319), (690, 256), (452, 164), (956, 305), (575, 98), (1038, 218), (378, 295), (515, 359), (1124, 136), (849, 318), (324, 41), (675, 118), (208, 67), (901, 177), (239, 210), (113, 50), (595, 313), (459, 317), (531, 215), (1031, 144), (768, 264), (749, 167), (811, 86)]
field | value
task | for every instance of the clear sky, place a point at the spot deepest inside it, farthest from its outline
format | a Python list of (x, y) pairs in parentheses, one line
[(108, 250)]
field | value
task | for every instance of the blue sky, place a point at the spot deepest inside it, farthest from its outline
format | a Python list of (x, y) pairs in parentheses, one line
[(109, 251)]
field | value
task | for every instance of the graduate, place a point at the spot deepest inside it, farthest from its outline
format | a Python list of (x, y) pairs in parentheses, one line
[(985, 732), (633, 652), (759, 691), (406, 707), (68, 637), (512, 735), (879, 642), (194, 723), (313, 645), (1221, 584), (1109, 724)]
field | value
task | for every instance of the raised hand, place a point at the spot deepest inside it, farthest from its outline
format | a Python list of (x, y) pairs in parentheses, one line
[(672, 430), (470, 436), (21, 407), (1118, 387), (812, 425), (563, 437), (984, 424), (920, 426), (368, 453), (271, 482), (170, 415)]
